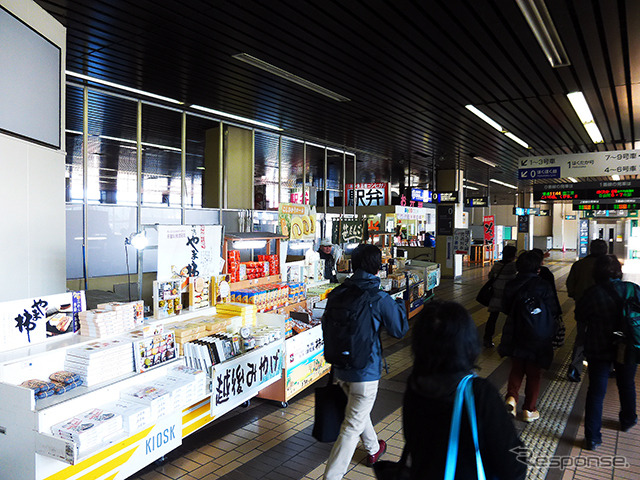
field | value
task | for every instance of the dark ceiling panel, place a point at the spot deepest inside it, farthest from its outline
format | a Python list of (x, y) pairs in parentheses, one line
[(408, 67)]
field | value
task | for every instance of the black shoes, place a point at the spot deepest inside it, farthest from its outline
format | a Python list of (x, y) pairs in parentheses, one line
[(628, 426), (573, 375), (591, 445)]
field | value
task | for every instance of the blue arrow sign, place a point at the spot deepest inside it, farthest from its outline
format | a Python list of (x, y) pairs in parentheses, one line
[(533, 173)]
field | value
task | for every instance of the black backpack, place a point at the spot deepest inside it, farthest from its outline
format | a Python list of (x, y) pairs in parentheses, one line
[(534, 322), (628, 330), (347, 327)]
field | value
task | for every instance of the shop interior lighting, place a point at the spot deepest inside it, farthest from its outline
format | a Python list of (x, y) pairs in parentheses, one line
[(249, 244), (236, 117), (267, 67), (504, 184), (133, 142), (121, 87), (485, 161), (496, 125), (537, 16), (137, 240), (573, 180), (580, 105), (615, 177)]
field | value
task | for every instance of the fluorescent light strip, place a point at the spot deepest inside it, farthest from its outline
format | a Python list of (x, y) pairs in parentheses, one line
[(537, 16), (488, 162), (581, 107), (481, 115), (144, 144), (476, 183), (470, 187), (267, 67), (235, 117), (503, 183), (121, 87), (615, 177), (496, 125), (572, 179)]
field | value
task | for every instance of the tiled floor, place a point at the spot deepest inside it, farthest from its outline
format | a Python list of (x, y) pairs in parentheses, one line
[(265, 441)]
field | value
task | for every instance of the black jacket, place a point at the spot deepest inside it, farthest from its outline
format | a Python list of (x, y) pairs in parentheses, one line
[(515, 345), (427, 411)]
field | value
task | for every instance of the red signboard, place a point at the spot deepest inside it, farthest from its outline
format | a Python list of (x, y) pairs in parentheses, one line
[(489, 229)]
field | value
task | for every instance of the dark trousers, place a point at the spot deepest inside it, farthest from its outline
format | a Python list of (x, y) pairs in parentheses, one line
[(520, 368), (577, 356), (490, 327), (598, 377)]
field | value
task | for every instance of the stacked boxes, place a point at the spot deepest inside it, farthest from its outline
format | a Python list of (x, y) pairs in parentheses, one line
[(197, 377), (167, 298), (131, 313), (89, 429), (247, 312), (102, 361), (296, 292), (254, 270), (156, 398), (233, 265), (111, 318), (269, 297), (135, 416), (274, 263)]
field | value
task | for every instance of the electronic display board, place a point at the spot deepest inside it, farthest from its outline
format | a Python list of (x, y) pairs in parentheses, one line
[(604, 191), (600, 206), (444, 197), (476, 201)]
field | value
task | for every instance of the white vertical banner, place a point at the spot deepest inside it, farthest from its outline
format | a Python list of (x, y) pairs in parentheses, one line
[(189, 251)]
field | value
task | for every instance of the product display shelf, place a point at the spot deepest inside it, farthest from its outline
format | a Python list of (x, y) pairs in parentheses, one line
[(304, 364)]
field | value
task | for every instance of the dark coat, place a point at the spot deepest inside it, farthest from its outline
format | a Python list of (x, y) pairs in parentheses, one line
[(513, 345), (427, 411)]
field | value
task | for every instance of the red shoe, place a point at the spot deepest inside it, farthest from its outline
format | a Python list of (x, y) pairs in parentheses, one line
[(371, 459)]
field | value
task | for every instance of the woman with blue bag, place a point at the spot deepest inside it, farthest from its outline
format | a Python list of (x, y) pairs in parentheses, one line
[(455, 423)]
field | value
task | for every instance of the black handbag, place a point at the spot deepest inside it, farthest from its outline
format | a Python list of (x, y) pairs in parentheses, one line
[(388, 470), (486, 292), (331, 402)]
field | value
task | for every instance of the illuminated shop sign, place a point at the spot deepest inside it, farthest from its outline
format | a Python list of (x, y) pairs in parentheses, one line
[(367, 194)]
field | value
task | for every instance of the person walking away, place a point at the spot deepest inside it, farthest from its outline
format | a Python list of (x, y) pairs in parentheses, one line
[(445, 346), (546, 274), (528, 333), (599, 311), (579, 280), (503, 271), (361, 384), (327, 253)]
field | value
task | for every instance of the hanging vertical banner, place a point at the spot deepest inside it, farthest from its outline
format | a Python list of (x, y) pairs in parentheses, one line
[(189, 251), (489, 228), (298, 222)]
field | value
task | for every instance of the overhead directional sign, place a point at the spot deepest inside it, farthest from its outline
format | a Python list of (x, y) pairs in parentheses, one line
[(593, 164)]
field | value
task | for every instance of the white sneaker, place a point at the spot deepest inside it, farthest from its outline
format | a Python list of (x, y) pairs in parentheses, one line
[(530, 416), (511, 406)]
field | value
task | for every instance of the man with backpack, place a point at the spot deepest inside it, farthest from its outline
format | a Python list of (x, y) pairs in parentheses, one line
[(527, 337), (355, 313), (608, 313)]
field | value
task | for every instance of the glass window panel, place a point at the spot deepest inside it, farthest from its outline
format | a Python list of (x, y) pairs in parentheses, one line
[(74, 190), (266, 178), (315, 170), (74, 241), (197, 128), (111, 159), (335, 175), (204, 216), (291, 165), (161, 156), (107, 227), (378, 170)]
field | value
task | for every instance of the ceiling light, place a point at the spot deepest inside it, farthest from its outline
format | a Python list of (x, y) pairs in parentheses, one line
[(542, 201), (469, 187), (496, 125), (615, 177), (581, 107), (516, 139), (537, 16), (144, 144), (249, 244), (121, 87), (488, 162), (476, 183), (481, 115), (261, 64), (235, 117), (503, 183), (572, 179)]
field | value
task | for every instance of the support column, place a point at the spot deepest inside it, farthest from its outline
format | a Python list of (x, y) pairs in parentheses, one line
[(448, 218), (525, 225)]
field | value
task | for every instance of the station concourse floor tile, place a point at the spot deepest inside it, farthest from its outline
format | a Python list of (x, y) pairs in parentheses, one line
[(266, 441)]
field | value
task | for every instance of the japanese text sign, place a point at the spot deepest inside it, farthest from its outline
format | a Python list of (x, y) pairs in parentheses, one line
[(367, 194), (347, 231), (237, 380), (489, 228), (298, 222), (592, 164), (461, 241)]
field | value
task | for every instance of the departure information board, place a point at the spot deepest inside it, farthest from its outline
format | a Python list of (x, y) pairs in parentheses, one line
[(606, 192), (599, 206)]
